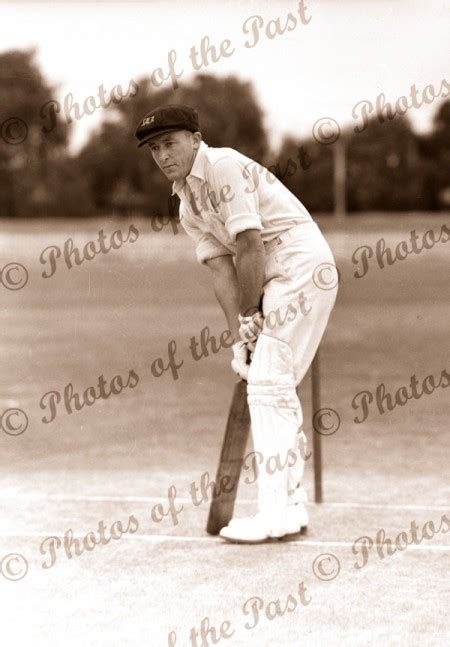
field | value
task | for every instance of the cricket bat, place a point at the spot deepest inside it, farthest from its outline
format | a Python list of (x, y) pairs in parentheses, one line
[(231, 459)]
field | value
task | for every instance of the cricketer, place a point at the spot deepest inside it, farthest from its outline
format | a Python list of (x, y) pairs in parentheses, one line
[(262, 248)]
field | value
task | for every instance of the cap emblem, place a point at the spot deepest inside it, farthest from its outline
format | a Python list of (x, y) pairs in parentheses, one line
[(148, 120)]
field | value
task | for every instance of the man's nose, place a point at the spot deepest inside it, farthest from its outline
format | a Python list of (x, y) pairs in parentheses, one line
[(164, 155)]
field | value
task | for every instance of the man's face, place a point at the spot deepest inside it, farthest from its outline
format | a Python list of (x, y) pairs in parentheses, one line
[(174, 152)]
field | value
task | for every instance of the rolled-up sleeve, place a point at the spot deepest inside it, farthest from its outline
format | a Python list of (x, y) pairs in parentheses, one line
[(206, 245), (238, 196)]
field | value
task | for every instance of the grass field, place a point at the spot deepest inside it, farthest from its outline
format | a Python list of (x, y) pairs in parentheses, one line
[(118, 457)]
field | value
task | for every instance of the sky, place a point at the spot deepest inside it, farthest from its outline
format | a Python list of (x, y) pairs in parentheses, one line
[(350, 51)]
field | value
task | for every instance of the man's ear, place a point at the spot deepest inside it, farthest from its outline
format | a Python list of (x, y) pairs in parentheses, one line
[(197, 138)]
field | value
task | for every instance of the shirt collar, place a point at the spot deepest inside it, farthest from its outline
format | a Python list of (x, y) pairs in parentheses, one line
[(197, 170)]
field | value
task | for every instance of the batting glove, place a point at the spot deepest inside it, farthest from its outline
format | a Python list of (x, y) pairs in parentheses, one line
[(250, 327), (239, 361)]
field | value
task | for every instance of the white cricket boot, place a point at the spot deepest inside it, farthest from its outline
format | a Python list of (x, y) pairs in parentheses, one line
[(258, 529), (297, 520)]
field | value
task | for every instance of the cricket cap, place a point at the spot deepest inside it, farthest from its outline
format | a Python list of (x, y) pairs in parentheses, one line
[(164, 119)]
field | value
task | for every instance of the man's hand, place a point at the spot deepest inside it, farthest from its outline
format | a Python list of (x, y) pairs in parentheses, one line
[(250, 328), (239, 361)]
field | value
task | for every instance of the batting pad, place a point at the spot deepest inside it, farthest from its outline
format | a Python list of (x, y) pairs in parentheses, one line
[(275, 413)]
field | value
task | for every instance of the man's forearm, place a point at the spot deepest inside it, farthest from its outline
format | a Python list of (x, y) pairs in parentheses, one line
[(226, 289), (250, 268), (239, 288)]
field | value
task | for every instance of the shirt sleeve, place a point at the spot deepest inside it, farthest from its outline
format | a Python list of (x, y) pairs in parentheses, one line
[(206, 245), (238, 196)]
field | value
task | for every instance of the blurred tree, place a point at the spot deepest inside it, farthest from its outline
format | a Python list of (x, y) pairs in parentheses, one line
[(229, 116), (385, 172), (26, 151), (384, 169), (388, 166), (229, 113), (435, 151), (306, 169)]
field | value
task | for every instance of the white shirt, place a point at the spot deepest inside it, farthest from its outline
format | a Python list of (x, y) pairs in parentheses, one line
[(226, 193)]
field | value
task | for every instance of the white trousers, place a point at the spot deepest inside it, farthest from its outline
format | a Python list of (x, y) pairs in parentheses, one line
[(300, 288)]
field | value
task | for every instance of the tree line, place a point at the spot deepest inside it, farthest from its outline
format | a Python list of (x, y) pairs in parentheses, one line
[(389, 167)]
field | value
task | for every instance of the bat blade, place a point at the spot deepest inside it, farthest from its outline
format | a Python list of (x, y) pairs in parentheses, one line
[(231, 458)]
